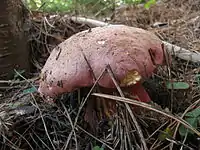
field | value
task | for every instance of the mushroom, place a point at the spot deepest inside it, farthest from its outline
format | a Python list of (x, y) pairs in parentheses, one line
[(132, 53)]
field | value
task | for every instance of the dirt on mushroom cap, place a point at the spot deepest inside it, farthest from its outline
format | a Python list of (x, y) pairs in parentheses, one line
[(124, 48)]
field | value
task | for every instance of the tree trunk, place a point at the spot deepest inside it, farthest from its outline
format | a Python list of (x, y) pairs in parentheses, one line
[(14, 52)]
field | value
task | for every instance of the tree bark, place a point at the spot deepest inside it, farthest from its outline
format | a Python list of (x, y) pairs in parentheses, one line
[(14, 52)]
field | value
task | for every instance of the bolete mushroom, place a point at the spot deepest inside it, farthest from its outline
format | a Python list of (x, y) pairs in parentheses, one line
[(132, 53)]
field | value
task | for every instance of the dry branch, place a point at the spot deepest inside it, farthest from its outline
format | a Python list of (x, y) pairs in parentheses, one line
[(90, 22), (177, 51), (182, 53)]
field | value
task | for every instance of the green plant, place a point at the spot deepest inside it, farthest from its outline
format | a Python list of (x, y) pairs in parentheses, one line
[(97, 148), (50, 5), (193, 118), (167, 133), (92, 6), (177, 85), (149, 3)]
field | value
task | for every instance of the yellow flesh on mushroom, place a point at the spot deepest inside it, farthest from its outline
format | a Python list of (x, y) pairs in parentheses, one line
[(131, 78)]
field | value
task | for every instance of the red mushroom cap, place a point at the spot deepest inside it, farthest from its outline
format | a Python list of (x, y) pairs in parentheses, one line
[(132, 53)]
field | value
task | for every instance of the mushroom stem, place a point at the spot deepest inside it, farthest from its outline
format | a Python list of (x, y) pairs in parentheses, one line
[(90, 115), (139, 91)]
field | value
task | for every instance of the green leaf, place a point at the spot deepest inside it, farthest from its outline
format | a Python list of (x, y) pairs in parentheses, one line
[(194, 113), (29, 90), (193, 118), (148, 4), (177, 85), (167, 133), (193, 122), (97, 148), (197, 78)]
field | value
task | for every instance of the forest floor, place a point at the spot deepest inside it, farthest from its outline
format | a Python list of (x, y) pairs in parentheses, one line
[(27, 121)]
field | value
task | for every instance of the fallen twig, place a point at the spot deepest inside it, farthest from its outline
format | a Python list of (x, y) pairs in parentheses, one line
[(177, 51), (90, 22)]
